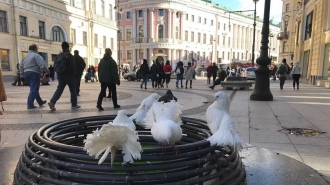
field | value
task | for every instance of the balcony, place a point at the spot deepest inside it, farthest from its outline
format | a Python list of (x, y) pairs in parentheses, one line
[(153, 40), (283, 35)]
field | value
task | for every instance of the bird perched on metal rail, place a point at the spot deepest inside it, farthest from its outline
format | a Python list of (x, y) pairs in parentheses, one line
[(164, 121), (142, 110), (117, 135), (220, 123)]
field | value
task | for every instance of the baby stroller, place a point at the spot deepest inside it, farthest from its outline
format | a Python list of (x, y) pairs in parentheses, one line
[(88, 77)]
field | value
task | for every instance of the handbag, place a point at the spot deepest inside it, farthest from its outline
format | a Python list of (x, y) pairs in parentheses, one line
[(177, 71)]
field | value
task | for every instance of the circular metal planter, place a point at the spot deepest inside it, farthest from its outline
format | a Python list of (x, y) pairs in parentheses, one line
[(54, 155)]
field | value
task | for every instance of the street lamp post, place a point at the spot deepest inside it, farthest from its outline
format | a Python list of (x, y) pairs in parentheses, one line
[(270, 43), (254, 30), (140, 40), (118, 11), (261, 90)]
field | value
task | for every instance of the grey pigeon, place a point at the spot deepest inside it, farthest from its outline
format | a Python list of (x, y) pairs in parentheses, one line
[(167, 97)]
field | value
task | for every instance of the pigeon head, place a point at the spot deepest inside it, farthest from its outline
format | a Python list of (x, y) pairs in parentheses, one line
[(222, 100)]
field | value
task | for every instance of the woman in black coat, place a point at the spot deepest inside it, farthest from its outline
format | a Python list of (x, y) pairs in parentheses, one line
[(144, 70), (154, 71)]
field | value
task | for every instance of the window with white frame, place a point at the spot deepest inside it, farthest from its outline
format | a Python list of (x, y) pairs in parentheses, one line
[(111, 43), (160, 31), (94, 6), (177, 32), (83, 5), (73, 36), (23, 25), (228, 41), (308, 26), (211, 39), (129, 54), (218, 42), (224, 27), (199, 20), (204, 38), (211, 22), (187, 17), (96, 44), (118, 16), (186, 35), (41, 30), (71, 2), (140, 13), (198, 55), (128, 34), (287, 7), (128, 15), (84, 38), (223, 40), (57, 34), (102, 8), (203, 56), (228, 56), (199, 38), (110, 11), (160, 12), (223, 55), (192, 18), (233, 55), (205, 21), (192, 39)]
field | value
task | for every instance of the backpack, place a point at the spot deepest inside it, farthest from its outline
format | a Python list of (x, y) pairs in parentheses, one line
[(178, 71), (60, 63), (281, 70)]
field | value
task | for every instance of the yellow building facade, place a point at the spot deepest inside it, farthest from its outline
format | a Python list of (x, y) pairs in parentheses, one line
[(308, 38), (88, 25)]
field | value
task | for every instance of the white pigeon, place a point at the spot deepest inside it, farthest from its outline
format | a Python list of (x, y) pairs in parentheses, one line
[(119, 134), (220, 123), (142, 110), (163, 128)]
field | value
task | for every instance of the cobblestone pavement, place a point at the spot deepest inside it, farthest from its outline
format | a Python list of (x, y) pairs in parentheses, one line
[(258, 123)]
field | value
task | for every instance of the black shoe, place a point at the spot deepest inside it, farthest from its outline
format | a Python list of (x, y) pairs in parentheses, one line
[(100, 107), (145, 88), (141, 86), (116, 106), (190, 87), (211, 87), (186, 87), (43, 103), (13, 84), (51, 106), (33, 107), (181, 86)]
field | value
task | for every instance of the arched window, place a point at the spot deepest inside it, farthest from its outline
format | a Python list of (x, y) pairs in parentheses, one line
[(57, 34), (160, 31), (177, 32)]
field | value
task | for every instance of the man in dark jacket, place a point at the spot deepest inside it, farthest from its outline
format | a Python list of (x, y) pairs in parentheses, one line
[(66, 78), (215, 70), (144, 70), (154, 72), (80, 66), (108, 76), (222, 77)]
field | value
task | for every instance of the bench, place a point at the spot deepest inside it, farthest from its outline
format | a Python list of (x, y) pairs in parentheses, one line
[(236, 82)]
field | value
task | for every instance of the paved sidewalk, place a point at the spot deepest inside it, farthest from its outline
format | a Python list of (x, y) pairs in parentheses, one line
[(258, 123)]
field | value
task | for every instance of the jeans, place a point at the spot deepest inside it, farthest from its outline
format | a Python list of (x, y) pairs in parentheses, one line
[(112, 87), (144, 80), (33, 79), (78, 79), (64, 80), (295, 78), (214, 78), (179, 77), (282, 83)]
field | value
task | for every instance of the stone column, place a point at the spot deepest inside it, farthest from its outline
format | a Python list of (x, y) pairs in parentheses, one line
[(169, 55), (182, 54), (134, 25), (174, 25), (151, 34), (134, 57), (174, 56), (182, 19), (169, 24), (151, 51), (145, 54), (145, 23)]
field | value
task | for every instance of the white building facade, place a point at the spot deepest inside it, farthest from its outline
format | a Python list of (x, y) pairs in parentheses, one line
[(182, 30)]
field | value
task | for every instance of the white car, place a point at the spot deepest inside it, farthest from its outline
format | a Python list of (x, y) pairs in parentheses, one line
[(249, 73)]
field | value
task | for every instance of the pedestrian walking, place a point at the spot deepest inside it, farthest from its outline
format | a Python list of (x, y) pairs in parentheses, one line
[(281, 72), (51, 72), (65, 68), (179, 73), (295, 73), (108, 76), (80, 67), (3, 96), (189, 75), (154, 72), (167, 71), (93, 72), (144, 70), (215, 70), (31, 67), (161, 73), (17, 78), (222, 77), (209, 73)]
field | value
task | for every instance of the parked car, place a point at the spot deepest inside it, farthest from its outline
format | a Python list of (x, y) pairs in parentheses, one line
[(132, 76), (249, 73)]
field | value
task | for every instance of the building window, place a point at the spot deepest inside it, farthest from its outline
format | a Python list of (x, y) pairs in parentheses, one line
[(177, 14), (5, 66), (57, 34), (161, 13), (218, 26), (309, 23), (160, 31), (71, 2), (23, 25), (205, 20), (199, 37), (111, 43), (233, 55), (224, 27), (94, 6), (228, 56), (73, 36), (242, 56), (128, 34), (96, 44), (211, 39), (118, 16), (218, 41), (140, 13), (199, 20), (186, 35), (287, 7), (228, 41), (187, 17), (192, 37), (238, 55), (204, 38), (3, 21), (102, 7), (129, 54), (284, 47), (128, 15), (84, 38), (177, 32), (298, 32), (104, 41), (223, 40), (286, 23), (42, 30), (83, 5), (211, 22), (110, 11), (192, 18)]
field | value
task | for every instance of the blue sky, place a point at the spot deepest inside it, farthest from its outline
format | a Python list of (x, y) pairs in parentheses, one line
[(275, 12)]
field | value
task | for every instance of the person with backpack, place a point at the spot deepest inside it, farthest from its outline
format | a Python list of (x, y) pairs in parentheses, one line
[(109, 78), (65, 67), (80, 67), (179, 73), (295, 73), (144, 70), (31, 67), (281, 72)]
